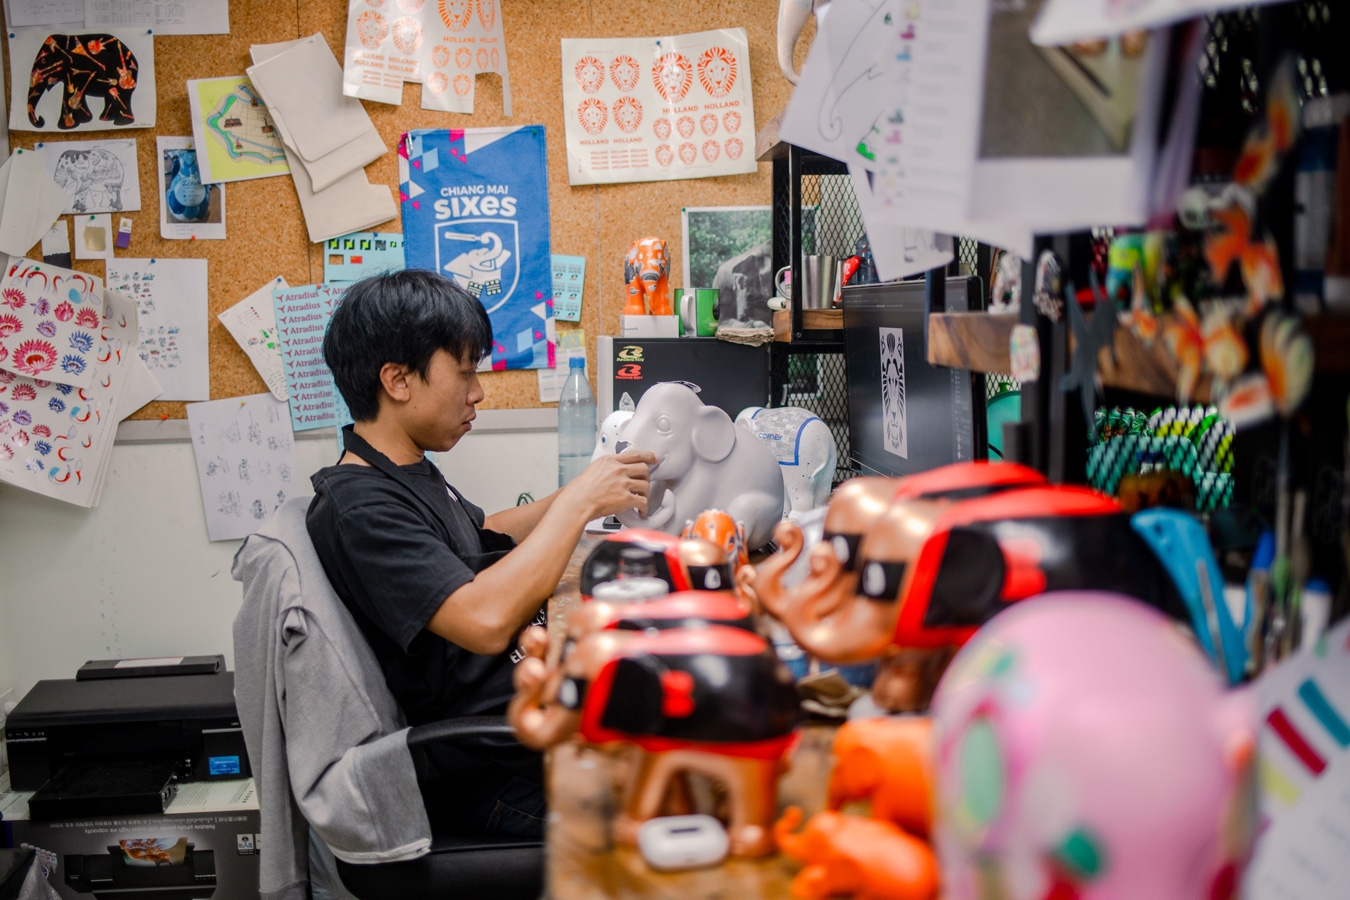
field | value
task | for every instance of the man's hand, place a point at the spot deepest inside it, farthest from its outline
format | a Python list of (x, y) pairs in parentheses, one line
[(613, 483)]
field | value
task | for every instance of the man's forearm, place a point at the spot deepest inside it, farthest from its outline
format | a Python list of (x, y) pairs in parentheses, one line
[(485, 614)]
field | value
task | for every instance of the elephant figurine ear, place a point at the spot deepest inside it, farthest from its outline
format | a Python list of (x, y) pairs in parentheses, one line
[(635, 697), (714, 434)]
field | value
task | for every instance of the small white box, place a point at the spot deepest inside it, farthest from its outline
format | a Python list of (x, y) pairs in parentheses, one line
[(649, 326)]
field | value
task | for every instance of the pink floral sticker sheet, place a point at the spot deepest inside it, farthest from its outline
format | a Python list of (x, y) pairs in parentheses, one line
[(55, 439), (49, 323)]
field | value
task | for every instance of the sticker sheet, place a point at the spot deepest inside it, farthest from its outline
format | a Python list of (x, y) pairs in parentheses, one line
[(235, 137), (246, 464), (355, 256), (1303, 769), (188, 209), (56, 439), (49, 323), (99, 176), (658, 109), (171, 299), (443, 44), (252, 322), (302, 315), (81, 81), (569, 277), (475, 208), (566, 345)]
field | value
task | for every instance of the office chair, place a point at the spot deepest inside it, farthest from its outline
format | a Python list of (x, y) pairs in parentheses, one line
[(330, 747)]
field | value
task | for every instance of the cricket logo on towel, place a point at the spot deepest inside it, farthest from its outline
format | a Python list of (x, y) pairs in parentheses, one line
[(475, 209)]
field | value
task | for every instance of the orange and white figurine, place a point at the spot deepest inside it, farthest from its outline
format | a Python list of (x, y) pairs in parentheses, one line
[(646, 269)]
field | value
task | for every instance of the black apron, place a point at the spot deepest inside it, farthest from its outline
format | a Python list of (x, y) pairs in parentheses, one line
[(437, 763), (494, 544)]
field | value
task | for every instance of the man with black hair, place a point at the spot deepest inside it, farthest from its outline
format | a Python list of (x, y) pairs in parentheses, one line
[(439, 590)]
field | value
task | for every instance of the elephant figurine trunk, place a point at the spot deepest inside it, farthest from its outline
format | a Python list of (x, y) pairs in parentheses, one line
[(704, 461)]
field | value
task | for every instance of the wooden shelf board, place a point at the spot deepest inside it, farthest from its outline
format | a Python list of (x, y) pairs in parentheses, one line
[(976, 341), (767, 144), (812, 320), (979, 342)]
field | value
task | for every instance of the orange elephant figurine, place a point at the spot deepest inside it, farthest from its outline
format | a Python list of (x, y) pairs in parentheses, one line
[(887, 762), (867, 859), (646, 269)]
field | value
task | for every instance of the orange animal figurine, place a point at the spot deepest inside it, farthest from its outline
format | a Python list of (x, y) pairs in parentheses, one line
[(885, 761), (850, 856), (647, 271), (718, 526)]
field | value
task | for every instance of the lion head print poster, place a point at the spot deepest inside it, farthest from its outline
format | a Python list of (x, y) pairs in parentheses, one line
[(83, 79)]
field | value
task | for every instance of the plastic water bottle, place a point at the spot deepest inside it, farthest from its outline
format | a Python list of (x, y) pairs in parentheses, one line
[(576, 423)]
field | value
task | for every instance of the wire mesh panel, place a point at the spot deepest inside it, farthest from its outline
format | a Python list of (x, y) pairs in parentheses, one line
[(1176, 456), (967, 254), (817, 382), (995, 384)]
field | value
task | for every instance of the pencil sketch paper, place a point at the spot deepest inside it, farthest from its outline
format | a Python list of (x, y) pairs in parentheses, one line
[(187, 208), (56, 440), (839, 99), (170, 296), (252, 322), (81, 80), (99, 176), (926, 150), (49, 323), (246, 464), (898, 252)]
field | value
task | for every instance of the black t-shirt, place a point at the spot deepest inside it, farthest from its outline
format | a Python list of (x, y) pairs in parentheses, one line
[(393, 562)]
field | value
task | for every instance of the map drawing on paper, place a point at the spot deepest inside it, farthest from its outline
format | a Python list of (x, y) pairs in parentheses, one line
[(235, 136), (241, 123)]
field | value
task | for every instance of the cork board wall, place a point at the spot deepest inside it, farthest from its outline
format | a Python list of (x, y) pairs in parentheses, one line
[(266, 232)]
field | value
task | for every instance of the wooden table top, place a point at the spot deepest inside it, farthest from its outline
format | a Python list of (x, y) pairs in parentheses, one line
[(583, 863), (584, 787)]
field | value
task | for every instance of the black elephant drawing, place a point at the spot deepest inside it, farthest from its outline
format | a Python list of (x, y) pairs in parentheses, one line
[(85, 65), (745, 284)]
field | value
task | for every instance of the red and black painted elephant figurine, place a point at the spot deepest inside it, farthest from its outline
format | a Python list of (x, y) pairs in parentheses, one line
[(713, 700)]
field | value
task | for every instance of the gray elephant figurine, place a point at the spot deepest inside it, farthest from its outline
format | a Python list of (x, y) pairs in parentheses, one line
[(703, 462), (85, 65), (805, 449)]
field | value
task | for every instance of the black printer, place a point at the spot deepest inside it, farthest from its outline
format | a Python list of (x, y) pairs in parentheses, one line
[(111, 746)]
